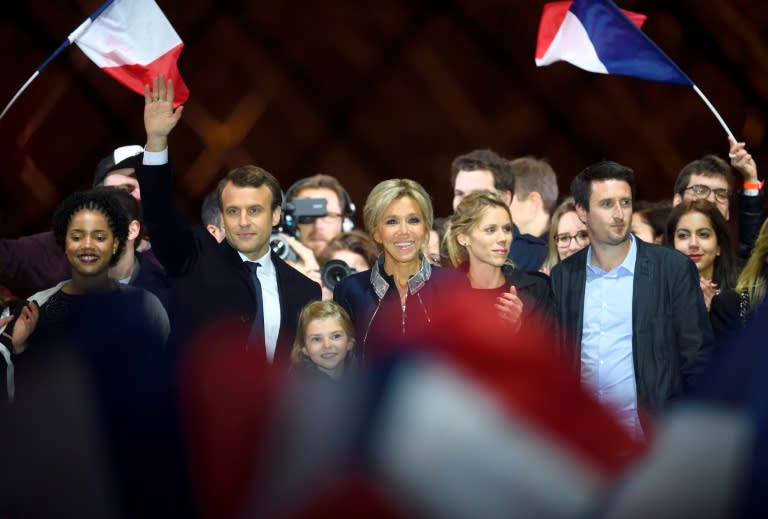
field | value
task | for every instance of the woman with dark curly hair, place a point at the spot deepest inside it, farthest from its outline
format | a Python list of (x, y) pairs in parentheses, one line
[(92, 228)]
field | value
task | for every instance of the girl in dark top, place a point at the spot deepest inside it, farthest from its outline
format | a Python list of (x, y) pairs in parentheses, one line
[(325, 337), (697, 229), (477, 239)]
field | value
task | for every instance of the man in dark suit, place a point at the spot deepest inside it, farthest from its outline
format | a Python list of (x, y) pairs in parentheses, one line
[(631, 314), (213, 283)]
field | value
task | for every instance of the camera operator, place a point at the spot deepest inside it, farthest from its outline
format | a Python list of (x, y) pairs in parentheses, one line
[(314, 232), (347, 253)]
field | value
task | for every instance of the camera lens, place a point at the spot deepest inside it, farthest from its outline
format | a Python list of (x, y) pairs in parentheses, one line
[(334, 271), (280, 247)]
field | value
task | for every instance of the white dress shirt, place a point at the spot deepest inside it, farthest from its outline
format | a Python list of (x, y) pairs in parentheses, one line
[(607, 366)]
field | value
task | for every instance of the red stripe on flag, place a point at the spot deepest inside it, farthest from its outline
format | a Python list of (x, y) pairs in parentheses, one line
[(551, 19), (136, 76)]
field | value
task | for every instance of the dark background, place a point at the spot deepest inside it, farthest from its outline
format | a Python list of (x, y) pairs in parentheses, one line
[(373, 90)]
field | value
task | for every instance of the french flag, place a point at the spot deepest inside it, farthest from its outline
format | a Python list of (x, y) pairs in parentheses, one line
[(597, 36), (133, 41)]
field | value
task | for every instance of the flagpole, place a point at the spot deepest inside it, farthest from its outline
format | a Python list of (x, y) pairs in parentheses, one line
[(72, 37), (712, 109)]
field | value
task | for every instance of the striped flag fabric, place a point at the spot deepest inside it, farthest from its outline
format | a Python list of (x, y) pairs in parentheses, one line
[(133, 41), (597, 36)]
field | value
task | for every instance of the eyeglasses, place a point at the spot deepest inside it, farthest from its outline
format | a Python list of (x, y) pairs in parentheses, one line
[(701, 191), (564, 240), (328, 218)]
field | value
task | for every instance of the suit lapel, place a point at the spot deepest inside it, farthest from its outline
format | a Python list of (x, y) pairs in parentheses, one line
[(642, 287)]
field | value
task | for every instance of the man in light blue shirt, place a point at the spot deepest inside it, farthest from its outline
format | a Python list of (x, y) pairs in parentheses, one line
[(631, 314)]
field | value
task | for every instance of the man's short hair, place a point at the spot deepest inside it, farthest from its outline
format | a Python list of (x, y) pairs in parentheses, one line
[(489, 160), (581, 185), (707, 166), (534, 175), (251, 176), (210, 212), (131, 207)]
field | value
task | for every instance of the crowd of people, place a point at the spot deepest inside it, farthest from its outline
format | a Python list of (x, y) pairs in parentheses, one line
[(225, 368)]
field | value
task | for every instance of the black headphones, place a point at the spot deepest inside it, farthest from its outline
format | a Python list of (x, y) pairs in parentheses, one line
[(348, 207)]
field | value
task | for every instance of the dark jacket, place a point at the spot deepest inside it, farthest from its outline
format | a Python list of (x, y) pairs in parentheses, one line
[(751, 217), (671, 334), (528, 252), (210, 284), (373, 302)]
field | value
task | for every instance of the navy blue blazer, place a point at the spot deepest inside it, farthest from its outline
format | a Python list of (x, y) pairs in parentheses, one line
[(671, 332), (210, 284)]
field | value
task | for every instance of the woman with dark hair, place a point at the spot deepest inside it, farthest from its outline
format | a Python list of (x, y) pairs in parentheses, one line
[(395, 298), (477, 239), (731, 307), (697, 229)]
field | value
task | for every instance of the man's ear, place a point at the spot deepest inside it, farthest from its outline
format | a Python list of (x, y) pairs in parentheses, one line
[(535, 197), (676, 199), (507, 195), (134, 228), (276, 215)]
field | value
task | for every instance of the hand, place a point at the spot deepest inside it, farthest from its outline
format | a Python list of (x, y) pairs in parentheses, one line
[(25, 325), (709, 289), (510, 308), (307, 263), (159, 116), (742, 160)]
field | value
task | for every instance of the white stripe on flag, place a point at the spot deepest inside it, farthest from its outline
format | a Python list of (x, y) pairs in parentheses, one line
[(572, 44), (130, 32)]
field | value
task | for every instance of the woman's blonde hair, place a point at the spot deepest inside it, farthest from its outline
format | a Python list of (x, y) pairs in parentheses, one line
[(553, 257), (319, 310), (751, 280), (386, 192), (468, 213)]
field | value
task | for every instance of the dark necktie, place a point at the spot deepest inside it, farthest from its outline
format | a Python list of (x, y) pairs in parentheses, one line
[(257, 331)]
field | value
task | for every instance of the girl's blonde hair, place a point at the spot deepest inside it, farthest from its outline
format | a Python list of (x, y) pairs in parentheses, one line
[(468, 213), (751, 280), (319, 310)]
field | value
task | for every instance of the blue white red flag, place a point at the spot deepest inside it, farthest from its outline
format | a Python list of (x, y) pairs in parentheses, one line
[(597, 36), (133, 41)]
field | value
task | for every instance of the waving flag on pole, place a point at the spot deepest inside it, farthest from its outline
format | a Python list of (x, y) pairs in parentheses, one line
[(132, 41), (597, 36)]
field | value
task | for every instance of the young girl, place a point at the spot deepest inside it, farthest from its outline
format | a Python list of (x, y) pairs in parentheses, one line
[(324, 338)]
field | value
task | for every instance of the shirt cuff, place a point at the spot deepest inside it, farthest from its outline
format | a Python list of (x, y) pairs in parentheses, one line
[(155, 158), (751, 192)]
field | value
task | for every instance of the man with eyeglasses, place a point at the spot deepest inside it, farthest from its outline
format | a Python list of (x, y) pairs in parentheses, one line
[(315, 232), (711, 178)]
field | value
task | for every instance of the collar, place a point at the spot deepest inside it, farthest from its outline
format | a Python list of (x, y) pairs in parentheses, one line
[(380, 282), (267, 267), (629, 260)]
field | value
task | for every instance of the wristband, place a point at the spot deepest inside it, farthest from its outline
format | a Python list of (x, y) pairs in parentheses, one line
[(758, 185)]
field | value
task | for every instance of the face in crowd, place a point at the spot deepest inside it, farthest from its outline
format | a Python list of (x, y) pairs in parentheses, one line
[(248, 219), (89, 244), (610, 212), (401, 231), (124, 179), (695, 237), (712, 188), (317, 234), (470, 181), (327, 344), (490, 238), (572, 235)]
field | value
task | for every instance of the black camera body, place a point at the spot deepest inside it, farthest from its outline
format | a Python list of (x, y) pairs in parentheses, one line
[(334, 271), (298, 210)]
